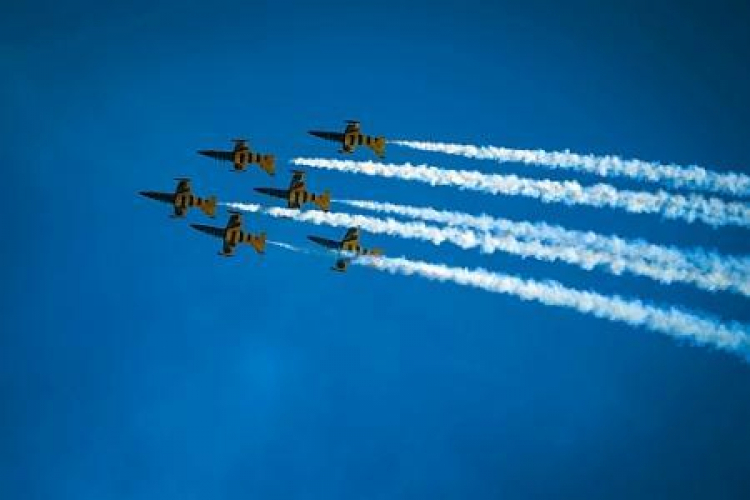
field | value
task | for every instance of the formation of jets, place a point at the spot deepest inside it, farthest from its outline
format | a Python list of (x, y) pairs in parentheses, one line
[(296, 196)]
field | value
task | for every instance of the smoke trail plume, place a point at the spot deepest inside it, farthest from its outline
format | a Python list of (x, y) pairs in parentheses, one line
[(463, 238), (704, 330), (711, 211), (286, 246), (684, 325), (307, 251), (542, 242), (673, 176), (703, 269)]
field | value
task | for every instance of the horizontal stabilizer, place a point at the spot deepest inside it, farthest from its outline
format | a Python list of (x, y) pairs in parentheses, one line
[(268, 163), (378, 146), (209, 206), (324, 201), (258, 242)]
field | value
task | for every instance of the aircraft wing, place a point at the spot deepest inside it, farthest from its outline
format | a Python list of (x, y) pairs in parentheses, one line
[(298, 180), (330, 244), (183, 186), (298, 176), (341, 265), (235, 220), (240, 144), (212, 230), (329, 136), (227, 250), (352, 235)]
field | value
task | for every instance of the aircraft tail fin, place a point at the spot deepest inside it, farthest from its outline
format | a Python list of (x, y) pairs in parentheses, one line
[(268, 163), (208, 206), (258, 242), (324, 201)]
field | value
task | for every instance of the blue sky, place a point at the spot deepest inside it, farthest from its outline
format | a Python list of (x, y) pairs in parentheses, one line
[(135, 363)]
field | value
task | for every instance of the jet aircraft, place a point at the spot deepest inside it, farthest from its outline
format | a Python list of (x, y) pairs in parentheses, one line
[(232, 235), (351, 137), (297, 194), (241, 156), (348, 247), (183, 198)]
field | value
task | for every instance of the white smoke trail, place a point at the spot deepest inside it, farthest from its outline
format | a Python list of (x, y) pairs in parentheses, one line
[(712, 211), (696, 328), (462, 238), (674, 176), (286, 246), (543, 242), (307, 251), (703, 269), (700, 329)]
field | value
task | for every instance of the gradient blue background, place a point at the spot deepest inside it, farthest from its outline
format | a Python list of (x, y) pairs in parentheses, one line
[(135, 363)]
